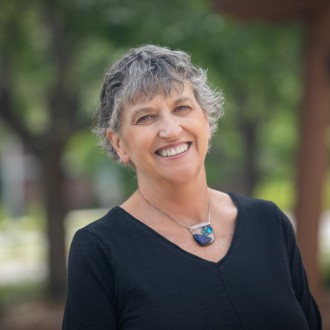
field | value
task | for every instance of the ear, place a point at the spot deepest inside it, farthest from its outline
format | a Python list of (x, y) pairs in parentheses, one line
[(118, 144)]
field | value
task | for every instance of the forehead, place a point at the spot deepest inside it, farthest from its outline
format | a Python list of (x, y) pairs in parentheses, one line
[(176, 93)]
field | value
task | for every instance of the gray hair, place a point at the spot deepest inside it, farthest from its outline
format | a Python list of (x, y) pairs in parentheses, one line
[(143, 73)]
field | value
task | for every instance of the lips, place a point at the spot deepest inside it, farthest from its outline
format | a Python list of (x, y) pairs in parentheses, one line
[(173, 151)]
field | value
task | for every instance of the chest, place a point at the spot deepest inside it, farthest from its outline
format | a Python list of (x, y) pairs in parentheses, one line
[(157, 290), (163, 281), (168, 293)]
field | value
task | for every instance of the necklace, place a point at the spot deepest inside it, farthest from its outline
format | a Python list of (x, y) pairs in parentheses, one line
[(202, 232)]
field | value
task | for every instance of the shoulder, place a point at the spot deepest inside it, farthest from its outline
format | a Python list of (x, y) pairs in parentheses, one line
[(239, 205), (255, 206), (99, 232), (116, 233), (260, 211), (107, 222), (265, 213), (236, 203), (251, 204)]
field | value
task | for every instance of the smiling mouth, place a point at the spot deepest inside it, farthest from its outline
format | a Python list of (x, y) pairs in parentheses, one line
[(170, 152)]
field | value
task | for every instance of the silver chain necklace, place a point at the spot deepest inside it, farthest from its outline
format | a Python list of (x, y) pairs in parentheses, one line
[(202, 232)]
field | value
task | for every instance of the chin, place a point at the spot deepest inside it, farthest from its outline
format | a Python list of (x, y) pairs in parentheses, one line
[(183, 174)]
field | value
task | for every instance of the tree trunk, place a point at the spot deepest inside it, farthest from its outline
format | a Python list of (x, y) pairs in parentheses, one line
[(250, 170), (53, 182), (248, 127), (312, 149)]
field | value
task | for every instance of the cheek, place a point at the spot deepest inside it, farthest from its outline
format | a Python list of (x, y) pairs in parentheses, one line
[(129, 136), (135, 142), (207, 124)]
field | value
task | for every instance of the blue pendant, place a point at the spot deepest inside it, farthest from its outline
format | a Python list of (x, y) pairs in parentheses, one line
[(203, 233)]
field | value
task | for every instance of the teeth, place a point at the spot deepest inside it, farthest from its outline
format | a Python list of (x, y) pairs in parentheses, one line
[(174, 151)]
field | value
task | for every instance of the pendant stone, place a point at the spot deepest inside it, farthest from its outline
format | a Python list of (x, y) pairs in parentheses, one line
[(203, 233)]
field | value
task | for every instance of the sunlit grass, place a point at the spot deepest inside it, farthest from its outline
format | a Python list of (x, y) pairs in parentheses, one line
[(280, 192), (11, 293)]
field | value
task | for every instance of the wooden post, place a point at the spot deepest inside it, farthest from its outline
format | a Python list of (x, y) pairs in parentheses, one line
[(312, 149)]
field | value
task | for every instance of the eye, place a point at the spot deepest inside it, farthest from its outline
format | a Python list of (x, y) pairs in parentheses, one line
[(144, 119), (183, 108)]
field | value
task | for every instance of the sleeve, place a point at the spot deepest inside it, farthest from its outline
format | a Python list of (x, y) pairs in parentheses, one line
[(298, 276), (90, 295)]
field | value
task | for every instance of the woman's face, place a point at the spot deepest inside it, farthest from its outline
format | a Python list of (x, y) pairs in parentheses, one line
[(166, 137)]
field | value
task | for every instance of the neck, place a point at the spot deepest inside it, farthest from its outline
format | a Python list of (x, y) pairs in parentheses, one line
[(187, 200)]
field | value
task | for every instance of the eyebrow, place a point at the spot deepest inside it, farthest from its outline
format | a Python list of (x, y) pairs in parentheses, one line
[(182, 99), (138, 111)]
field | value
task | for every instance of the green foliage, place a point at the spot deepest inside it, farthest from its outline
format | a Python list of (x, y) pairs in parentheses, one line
[(13, 293), (256, 66)]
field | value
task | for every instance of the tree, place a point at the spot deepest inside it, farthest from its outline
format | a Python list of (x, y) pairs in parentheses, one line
[(53, 54), (42, 99), (42, 93), (61, 110)]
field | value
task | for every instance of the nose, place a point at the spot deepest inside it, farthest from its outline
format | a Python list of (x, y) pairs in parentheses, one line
[(170, 128)]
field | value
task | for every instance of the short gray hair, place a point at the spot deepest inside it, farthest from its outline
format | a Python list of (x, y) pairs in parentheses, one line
[(143, 73)]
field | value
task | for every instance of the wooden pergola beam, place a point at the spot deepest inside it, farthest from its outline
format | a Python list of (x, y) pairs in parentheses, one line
[(270, 11), (312, 153), (314, 115)]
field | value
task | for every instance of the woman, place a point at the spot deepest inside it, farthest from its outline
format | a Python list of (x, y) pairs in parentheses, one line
[(178, 254)]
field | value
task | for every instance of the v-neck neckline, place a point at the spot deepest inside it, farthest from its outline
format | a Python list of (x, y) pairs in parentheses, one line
[(150, 230)]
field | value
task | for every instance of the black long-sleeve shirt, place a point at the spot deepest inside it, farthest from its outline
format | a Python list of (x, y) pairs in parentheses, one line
[(124, 275)]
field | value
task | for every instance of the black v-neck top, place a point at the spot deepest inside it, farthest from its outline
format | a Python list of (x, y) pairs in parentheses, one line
[(124, 275)]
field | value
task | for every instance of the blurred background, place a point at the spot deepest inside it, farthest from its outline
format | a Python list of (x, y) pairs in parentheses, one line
[(272, 62)]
